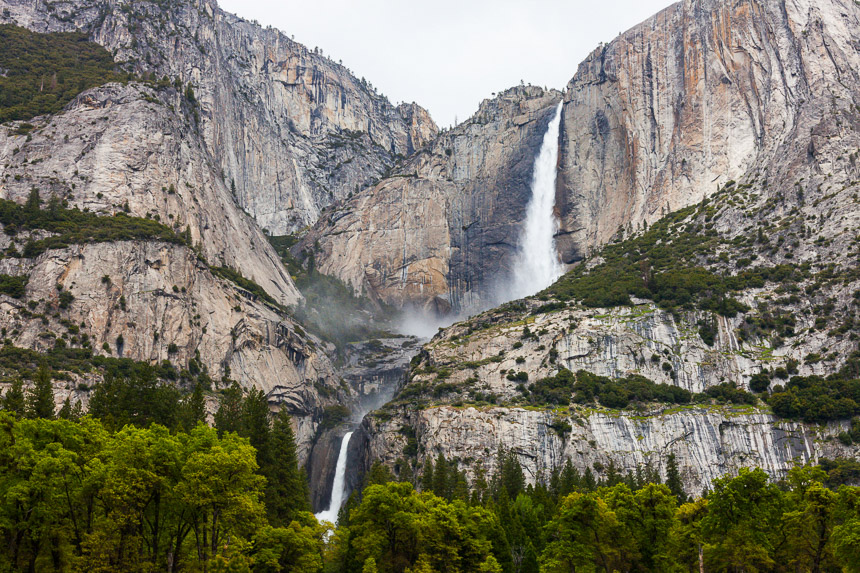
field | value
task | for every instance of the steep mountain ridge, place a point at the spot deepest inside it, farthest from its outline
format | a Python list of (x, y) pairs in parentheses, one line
[(289, 129), (656, 120), (139, 150), (693, 97), (746, 113), (751, 289)]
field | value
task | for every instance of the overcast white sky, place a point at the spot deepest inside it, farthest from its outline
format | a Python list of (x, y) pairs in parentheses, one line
[(448, 55)]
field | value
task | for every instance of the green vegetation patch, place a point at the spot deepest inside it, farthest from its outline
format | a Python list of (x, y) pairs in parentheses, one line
[(44, 72), (667, 264), (236, 278), (73, 226), (587, 388), (23, 362), (13, 285), (817, 399)]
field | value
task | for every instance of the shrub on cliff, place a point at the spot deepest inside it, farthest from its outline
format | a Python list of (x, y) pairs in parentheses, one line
[(72, 226), (816, 399), (44, 72)]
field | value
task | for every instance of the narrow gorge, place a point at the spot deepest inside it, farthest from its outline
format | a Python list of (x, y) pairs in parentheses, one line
[(536, 265)]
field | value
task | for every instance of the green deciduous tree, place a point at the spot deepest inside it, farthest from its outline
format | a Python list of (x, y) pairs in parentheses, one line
[(742, 520), (296, 548), (585, 534)]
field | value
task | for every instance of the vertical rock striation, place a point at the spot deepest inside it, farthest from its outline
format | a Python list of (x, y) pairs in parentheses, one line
[(695, 96), (441, 232), (288, 128)]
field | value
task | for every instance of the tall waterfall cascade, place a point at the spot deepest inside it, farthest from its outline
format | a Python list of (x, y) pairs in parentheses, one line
[(337, 488), (536, 265)]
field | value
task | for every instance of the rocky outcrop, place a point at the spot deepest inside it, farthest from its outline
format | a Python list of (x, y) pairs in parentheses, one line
[(618, 342), (375, 370), (288, 128), (707, 442), (697, 95), (441, 231), (464, 400), (137, 150), (153, 301)]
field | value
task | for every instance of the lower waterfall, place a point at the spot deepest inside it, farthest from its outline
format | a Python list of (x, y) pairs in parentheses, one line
[(337, 487), (536, 265)]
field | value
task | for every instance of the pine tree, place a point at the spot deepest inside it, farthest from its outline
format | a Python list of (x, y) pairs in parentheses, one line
[(77, 411), (14, 401), (427, 475), (588, 481), (287, 486), (34, 202), (65, 412), (570, 479), (460, 487), (612, 475), (40, 398), (511, 474), (228, 418), (440, 477), (255, 424), (673, 479), (379, 474), (404, 470), (192, 411)]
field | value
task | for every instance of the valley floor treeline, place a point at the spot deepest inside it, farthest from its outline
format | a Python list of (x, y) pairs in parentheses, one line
[(84, 494)]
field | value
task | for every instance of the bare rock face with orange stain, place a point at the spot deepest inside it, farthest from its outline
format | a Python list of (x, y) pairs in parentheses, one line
[(697, 95), (440, 230)]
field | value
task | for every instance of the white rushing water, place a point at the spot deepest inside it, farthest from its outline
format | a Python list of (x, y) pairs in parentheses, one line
[(337, 488), (536, 265)]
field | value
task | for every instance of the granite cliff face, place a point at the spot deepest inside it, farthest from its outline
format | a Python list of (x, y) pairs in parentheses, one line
[(695, 96), (707, 442), (135, 149), (440, 232), (761, 195), (143, 149), (658, 119), (154, 301), (287, 128)]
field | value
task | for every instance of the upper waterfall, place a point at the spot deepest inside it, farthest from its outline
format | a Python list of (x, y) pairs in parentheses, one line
[(536, 265)]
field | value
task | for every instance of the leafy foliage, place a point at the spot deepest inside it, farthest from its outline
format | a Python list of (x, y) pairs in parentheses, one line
[(667, 264), (817, 399), (44, 72), (586, 388), (618, 393), (142, 498), (13, 285), (72, 226)]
